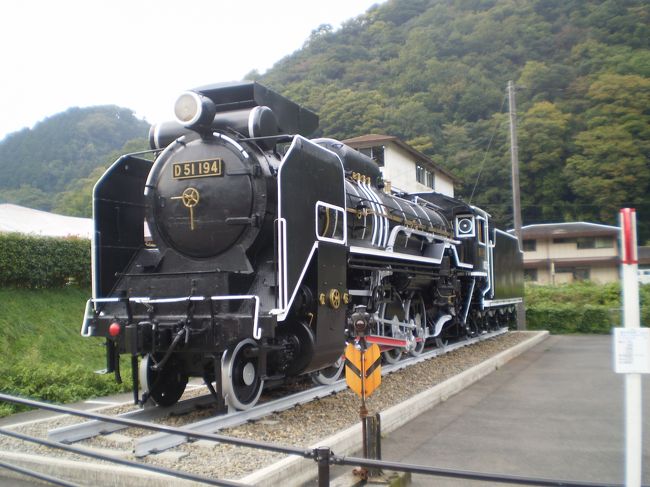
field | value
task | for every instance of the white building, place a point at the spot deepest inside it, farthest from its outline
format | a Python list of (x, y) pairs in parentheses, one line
[(18, 219), (558, 253), (402, 166)]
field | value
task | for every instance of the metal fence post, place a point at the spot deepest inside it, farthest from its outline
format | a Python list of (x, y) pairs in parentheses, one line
[(323, 458), (373, 440)]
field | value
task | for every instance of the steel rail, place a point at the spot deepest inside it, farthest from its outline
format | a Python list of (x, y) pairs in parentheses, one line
[(162, 441), (132, 423), (90, 429), (120, 461), (158, 442)]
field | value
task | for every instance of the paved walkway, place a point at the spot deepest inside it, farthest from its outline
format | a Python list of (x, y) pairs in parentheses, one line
[(554, 412)]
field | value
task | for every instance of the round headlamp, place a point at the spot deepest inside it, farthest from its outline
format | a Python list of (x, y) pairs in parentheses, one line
[(194, 110)]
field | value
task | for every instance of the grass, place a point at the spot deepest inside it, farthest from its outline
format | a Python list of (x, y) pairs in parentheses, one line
[(43, 355)]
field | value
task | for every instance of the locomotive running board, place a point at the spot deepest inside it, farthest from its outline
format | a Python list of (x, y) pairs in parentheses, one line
[(501, 302)]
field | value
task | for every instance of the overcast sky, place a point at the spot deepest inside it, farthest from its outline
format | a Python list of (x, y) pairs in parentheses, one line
[(141, 54)]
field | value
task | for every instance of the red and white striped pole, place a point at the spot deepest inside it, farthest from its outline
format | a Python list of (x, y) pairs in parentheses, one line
[(630, 284)]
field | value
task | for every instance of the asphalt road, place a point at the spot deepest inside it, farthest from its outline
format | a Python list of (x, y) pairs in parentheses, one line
[(554, 412)]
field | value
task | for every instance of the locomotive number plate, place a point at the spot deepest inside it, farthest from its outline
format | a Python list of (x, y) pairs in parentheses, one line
[(197, 169)]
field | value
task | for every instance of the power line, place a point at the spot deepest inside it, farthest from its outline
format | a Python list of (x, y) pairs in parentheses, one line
[(494, 132)]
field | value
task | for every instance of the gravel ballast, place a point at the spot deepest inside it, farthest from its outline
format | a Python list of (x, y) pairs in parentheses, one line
[(302, 426)]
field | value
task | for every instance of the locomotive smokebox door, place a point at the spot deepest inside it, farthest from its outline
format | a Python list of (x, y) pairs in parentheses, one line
[(312, 238)]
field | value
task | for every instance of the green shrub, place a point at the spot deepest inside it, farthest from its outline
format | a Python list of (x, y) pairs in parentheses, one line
[(55, 383), (560, 318), (42, 354), (581, 307), (595, 319), (39, 262)]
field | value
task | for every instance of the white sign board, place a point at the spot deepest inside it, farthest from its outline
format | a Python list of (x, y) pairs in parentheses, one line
[(632, 350)]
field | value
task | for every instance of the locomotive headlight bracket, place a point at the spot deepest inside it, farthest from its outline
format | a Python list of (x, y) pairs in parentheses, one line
[(194, 110), (465, 226)]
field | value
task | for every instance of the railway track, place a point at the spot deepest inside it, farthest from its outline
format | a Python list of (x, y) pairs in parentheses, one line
[(159, 442)]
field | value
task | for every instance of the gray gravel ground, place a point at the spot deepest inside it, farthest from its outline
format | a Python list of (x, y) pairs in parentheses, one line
[(299, 427)]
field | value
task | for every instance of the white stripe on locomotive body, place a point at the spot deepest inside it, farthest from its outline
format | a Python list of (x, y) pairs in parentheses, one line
[(93, 242), (427, 204), (225, 138), (489, 249), (383, 215), (375, 215), (283, 313), (393, 255), (383, 226), (360, 292), (482, 215), (251, 121), (386, 220), (457, 259), (380, 238), (493, 303), (383, 221), (156, 134), (282, 245), (490, 275), (469, 300), (364, 198), (282, 259), (378, 211), (418, 207), (428, 236), (365, 216), (285, 304), (404, 217), (337, 210), (440, 323), (147, 300), (336, 224)]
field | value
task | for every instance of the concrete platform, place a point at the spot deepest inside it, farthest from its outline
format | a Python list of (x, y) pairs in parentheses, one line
[(553, 412)]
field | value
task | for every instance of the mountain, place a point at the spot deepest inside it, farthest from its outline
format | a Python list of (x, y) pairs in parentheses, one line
[(434, 73), (37, 165)]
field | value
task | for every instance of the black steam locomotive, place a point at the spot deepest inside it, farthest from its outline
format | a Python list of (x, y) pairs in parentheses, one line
[(240, 252)]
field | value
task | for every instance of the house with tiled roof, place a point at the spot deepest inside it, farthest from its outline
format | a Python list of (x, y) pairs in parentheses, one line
[(403, 167), (558, 253)]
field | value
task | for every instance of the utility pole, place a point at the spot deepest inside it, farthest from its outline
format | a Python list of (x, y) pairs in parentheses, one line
[(516, 201), (514, 157)]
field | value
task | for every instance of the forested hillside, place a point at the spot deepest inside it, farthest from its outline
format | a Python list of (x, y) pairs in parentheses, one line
[(434, 73), (38, 166)]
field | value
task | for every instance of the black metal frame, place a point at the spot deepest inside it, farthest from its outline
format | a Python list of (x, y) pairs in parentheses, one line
[(323, 456)]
